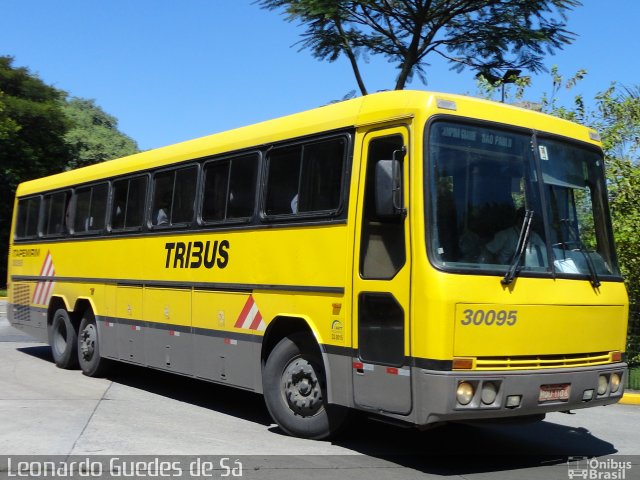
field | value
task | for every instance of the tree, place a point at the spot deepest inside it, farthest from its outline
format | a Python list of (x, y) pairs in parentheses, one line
[(489, 36), (32, 128), (94, 135), (42, 133)]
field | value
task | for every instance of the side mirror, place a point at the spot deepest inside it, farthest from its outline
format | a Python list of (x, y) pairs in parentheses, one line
[(389, 188)]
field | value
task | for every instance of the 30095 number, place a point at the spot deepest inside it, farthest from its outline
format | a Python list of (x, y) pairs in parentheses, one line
[(490, 317)]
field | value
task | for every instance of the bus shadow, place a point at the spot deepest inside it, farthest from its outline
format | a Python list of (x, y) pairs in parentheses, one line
[(235, 402), (230, 401), (460, 449), (43, 352)]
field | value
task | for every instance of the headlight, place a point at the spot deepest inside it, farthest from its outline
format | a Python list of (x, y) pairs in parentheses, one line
[(489, 393), (603, 383), (615, 382), (464, 394)]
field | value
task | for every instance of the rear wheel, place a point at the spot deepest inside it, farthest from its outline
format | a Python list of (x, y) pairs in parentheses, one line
[(63, 340), (91, 363), (295, 391)]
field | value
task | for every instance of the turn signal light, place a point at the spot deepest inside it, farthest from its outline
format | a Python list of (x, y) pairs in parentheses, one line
[(462, 363)]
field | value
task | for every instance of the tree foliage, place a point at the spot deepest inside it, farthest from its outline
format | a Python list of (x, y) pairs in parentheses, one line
[(486, 35), (94, 135), (32, 128), (42, 133)]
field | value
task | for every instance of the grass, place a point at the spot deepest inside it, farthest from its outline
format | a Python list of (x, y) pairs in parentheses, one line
[(634, 378), (3, 293)]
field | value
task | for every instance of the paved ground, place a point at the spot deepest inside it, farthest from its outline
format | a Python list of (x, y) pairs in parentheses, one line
[(48, 411)]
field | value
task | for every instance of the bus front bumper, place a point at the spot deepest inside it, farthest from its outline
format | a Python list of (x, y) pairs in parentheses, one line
[(522, 393)]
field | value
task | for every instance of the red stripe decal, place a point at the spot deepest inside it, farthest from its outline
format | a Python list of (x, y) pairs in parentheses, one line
[(245, 311), (256, 321)]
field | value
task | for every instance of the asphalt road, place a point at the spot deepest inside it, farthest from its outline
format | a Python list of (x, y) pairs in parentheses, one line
[(134, 411)]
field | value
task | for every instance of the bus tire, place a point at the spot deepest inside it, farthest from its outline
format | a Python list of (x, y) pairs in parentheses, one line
[(294, 386), (91, 363), (63, 339)]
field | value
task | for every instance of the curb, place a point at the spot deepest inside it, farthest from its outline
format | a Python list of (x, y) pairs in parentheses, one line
[(630, 399)]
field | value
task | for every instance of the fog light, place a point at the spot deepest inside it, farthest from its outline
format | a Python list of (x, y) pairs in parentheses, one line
[(587, 395), (602, 385), (615, 382), (464, 394), (489, 393), (513, 401)]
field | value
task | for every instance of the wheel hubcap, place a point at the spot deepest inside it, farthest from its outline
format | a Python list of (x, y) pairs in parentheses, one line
[(88, 342), (302, 388)]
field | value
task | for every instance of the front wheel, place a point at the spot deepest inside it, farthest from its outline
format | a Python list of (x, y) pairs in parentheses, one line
[(63, 339), (91, 363), (295, 391)]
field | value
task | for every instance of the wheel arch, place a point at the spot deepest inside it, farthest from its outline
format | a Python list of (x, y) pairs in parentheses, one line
[(57, 302), (283, 326), (82, 305)]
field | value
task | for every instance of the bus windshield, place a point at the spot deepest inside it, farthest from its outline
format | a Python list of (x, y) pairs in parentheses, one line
[(489, 211)]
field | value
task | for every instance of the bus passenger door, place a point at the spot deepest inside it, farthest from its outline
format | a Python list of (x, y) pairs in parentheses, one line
[(381, 280)]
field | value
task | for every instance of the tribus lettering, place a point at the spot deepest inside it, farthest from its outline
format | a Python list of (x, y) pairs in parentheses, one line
[(197, 254)]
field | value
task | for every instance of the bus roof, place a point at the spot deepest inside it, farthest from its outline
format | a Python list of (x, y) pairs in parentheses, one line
[(371, 109)]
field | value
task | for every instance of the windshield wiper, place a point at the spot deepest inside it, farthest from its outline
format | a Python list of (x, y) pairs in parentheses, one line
[(575, 233), (523, 240)]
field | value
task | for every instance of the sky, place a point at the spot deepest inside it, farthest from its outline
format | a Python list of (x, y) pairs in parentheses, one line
[(173, 70)]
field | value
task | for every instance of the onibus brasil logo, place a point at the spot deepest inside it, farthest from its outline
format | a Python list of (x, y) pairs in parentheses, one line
[(597, 468)]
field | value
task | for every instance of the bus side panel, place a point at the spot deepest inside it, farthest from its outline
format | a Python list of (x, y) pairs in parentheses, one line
[(222, 354), (106, 320), (129, 327)]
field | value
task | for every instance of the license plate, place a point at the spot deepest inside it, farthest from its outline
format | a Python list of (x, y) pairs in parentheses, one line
[(554, 393)]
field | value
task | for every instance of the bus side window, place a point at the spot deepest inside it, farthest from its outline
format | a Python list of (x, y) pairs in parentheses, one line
[(28, 213), (242, 186), (90, 208), (216, 179), (174, 193), (321, 176), (127, 209), (229, 188), (184, 195), (306, 178), (119, 206), (282, 181), (56, 213)]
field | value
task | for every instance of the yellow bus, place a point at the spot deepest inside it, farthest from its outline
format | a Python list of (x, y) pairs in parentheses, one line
[(420, 256)]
